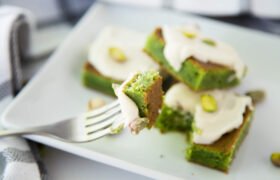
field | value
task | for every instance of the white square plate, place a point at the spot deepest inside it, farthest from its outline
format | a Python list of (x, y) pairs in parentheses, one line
[(56, 93)]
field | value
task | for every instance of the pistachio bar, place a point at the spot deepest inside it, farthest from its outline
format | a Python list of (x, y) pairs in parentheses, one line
[(145, 89), (197, 74), (91, 78), (140, 98), (215, 123), (220, 154), (114, 54)]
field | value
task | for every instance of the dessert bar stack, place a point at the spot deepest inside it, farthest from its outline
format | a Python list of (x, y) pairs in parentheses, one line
[(214, 119), (198, 102)]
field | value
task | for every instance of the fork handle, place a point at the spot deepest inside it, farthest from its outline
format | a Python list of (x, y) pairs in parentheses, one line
[(16, 132)]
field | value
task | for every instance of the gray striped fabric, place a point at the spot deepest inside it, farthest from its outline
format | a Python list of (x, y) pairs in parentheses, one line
[(15, 155), (5, 89), (13, 160), (12, 154)]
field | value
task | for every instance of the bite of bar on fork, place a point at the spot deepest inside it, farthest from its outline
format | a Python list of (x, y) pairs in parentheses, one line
[(139, 100)]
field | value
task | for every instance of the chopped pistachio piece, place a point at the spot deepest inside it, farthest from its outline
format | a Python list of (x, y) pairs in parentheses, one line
[(95, 103), (117, 54), (209, 42), (275, 159), (138, 124), (256, 95), (189, 34), (208, 103), (118, 129)]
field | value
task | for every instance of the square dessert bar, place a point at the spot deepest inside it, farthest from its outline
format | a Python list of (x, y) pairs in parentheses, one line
[(215, 123), (220, 154), (145, 89), (115, 53), (194, 73), (91, 78)]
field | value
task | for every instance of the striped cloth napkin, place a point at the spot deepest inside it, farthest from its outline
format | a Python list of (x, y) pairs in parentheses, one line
[(17, 161)]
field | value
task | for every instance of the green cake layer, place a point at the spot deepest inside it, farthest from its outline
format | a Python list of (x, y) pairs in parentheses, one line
[(91, 78), (220, 154), (197, 75), (145, 89), (171, 119)]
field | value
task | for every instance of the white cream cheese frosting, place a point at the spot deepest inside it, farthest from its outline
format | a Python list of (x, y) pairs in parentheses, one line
[(129, 109), (130, 42), (211, 125), (178, 48)]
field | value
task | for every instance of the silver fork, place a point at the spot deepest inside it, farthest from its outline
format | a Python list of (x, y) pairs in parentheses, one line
[(83, 128)]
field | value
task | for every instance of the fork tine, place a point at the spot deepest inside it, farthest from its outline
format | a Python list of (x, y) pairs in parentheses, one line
[(99, 134), (101, 110), (103, 117), (103, 124)]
